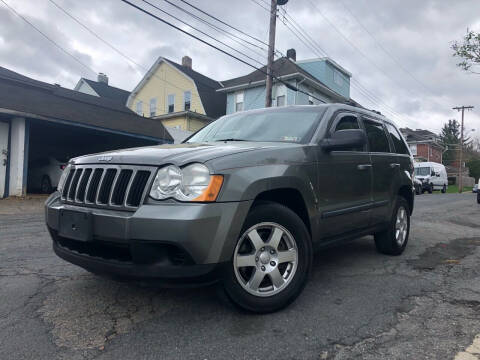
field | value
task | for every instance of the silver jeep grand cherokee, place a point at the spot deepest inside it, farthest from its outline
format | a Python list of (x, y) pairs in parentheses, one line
[(244, 201)]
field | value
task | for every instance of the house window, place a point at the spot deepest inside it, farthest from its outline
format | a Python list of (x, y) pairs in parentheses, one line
[(171, 103), (281, 100), (337, 78), (187, 98), (239, 101), (139, 108), (153, 107), (413, 149)]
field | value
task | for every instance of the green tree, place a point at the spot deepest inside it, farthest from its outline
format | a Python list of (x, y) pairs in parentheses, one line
[(474, 166), (469, 51), (450, 138)]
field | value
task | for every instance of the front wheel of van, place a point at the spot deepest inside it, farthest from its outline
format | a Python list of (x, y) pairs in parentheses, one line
[(393, 240), (430, 189), (271, 260)]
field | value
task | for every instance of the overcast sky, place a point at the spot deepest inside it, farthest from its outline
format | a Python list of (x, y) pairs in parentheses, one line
[(398, 50)]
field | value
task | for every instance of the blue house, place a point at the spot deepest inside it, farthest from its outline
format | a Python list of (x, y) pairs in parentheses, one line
[(324, 79)]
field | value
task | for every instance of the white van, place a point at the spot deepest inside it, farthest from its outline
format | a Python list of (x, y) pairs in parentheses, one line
[(432, 175)]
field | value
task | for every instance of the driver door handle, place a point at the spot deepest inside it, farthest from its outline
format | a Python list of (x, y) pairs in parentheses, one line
[(394, 165), (364, 166)]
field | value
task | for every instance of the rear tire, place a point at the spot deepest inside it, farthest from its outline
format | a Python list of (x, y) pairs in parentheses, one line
[(478, 197), (257, 286), (394, 239), (444, 189), (430, 189), (46, 186)]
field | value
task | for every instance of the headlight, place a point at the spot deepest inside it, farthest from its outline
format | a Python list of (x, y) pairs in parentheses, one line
[(63, 177), (192, 183)]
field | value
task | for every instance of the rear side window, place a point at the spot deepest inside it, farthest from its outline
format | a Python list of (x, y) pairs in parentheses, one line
[(377, 138), (400, 146)]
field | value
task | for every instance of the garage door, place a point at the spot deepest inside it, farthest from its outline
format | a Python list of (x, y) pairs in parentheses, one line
[(3, 155)]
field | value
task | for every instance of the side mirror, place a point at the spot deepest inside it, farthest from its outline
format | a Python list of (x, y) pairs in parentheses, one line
[(345, 139)]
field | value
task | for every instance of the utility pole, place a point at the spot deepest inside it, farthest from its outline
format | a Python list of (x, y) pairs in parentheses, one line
[(271, 49), (460, 179)]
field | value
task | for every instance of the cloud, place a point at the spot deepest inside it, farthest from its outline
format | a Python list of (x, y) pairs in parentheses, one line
[(416, 34)]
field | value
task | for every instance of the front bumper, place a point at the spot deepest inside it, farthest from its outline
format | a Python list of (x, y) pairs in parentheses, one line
[(174, 242)]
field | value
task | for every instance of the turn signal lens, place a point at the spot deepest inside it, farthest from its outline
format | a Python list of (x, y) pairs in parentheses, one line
[(213, 189)]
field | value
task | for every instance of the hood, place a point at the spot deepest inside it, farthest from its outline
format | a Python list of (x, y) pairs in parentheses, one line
[(179, 154)]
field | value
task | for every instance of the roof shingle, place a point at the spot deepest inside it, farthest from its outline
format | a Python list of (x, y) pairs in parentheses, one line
[(23, 94)]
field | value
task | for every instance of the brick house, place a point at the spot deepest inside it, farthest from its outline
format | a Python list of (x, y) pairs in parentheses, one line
[(424, 145)]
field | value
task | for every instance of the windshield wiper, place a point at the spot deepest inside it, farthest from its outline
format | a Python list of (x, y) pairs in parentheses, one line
[(231, 139)]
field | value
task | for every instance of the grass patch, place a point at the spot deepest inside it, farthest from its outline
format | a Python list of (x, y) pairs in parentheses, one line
[(453, 189)]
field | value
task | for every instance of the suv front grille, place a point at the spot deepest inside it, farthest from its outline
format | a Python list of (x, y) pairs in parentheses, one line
[(112, 186)]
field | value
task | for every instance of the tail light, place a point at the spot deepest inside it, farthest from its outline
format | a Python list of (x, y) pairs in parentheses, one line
[(62, 167)]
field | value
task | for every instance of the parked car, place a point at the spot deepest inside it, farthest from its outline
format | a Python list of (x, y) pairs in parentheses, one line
[(244, 201), (45, 172), (475, 188), (432, 175)]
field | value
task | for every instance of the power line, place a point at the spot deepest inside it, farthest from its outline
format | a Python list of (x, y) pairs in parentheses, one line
[(313, 45), (310, 43), (383, 48), (198, 30), (216, 27), (223, 22), (239, 40), (215, 47), (48, 38), (138, 65), (346, 39)]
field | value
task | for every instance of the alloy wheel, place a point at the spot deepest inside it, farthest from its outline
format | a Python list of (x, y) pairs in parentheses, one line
[(265, 259), (401, 226)]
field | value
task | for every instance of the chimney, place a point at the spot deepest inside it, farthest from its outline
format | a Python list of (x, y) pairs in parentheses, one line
[(102, 78), (292, 54), (187, 61)]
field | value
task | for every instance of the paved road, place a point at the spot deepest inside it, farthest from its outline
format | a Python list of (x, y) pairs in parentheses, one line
[(357, 305)]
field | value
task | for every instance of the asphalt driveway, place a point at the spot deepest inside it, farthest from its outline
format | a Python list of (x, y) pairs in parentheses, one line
[(424, 304)]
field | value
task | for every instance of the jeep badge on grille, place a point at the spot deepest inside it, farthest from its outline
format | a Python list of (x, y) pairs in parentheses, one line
[(105, 158)]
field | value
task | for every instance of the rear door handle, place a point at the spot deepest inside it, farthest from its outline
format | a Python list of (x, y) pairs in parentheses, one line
[(364, 166), (394, 165)]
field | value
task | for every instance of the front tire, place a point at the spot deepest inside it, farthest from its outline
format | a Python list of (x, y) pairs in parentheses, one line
[(271, 261), (430, 189), (394, 239)]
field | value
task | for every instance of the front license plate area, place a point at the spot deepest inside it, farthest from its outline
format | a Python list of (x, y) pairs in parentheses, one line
[(76, 225)]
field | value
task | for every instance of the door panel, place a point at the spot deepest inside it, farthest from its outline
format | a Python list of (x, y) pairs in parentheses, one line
[(4, 127), (385, 170), (345, 180)]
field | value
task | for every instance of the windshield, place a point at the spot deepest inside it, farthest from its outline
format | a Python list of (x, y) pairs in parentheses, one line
[(422, 171), (286, 125)]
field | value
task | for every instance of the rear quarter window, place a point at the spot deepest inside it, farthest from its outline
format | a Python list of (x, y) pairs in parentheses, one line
[(398, 143)]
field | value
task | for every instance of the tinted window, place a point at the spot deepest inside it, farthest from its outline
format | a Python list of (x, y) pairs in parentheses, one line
[(348, 122), (377, 138), (281, 125), (400, 146)]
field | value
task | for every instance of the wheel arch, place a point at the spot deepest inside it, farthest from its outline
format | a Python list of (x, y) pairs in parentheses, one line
[(290, 198), (405, 191)]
